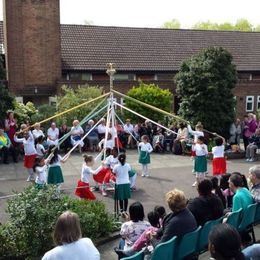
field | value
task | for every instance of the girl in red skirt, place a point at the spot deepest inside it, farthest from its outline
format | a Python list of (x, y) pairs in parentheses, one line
[(83, 191), (30, 152), (219, 161)]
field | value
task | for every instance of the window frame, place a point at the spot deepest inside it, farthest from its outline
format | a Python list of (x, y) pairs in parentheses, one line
[(250, 102)]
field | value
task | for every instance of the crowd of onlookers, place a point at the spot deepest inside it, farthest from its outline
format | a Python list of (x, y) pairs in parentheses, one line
[(177, 139)]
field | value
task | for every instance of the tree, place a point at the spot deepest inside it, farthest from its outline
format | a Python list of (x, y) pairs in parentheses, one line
[(73, 97), (6, 103), (243, 25), (205, 26), (152, 95), (205, 83), (173, 24)]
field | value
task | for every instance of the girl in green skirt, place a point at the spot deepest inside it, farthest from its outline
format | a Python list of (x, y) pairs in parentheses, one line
[(145, 149), (200, 167), (122, 188), (55, 175)]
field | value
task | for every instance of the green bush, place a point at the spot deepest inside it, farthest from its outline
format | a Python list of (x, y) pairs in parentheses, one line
[(7, 101), (152, 95), (33, 214), (44, 111), (24, 112)]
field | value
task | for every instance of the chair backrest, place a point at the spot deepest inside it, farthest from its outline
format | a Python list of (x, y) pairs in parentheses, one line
[(137, 256), (204, 233), (166, 250), (234, 218), (257, 214), (248, 217), (188, 244)]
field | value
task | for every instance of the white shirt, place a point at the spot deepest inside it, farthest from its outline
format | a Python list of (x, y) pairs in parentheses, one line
[(109, 144), (129, 128), (77, 130), (36, 133), (218, 151), (182, 134), (83, 249), (200, 149), (28, 144), (146, 147), (101, 129), (121, 172), (111, 161), (39, 149), (53, 134), (195, 134), (86, 171), (41, 174)]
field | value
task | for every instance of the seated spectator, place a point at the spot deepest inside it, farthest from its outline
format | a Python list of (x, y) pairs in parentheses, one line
[(146, 129), (129, 128), (70, 244), (179, 222), (92, 138), (158, 140), (254, 144), (217, 191), (136, 131), (252, 252), (53, 135), (134, 228), (235, 132), (225, 243), (207, 206), (102, 129), (106, 144), (142, 241), (37, 131), (242, 198), (160, 210), (66, 144), (76, 134), (181, 138), (6, 147), (254, 176), (169, 138), (228, 194)]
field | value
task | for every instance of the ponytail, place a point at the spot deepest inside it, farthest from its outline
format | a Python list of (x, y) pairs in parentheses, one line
[(122, 158), (88, 158)]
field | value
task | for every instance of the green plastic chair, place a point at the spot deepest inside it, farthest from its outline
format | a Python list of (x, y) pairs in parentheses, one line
[(234, 218), (188, 244), (166, 250), (137, 256), (257, 215), (204, 234)]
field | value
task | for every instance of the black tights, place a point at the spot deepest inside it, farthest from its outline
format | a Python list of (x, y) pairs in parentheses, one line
[(123, 205)]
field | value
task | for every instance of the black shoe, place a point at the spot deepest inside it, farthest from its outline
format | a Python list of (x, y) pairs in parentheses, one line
[(119, 252)]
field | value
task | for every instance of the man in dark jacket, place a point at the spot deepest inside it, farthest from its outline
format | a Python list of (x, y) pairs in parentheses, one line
[(207, 206)]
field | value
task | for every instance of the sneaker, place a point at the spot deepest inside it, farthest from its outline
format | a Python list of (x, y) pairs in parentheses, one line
[(247, 160), (28, 179), (194, 184), (104, 193), (133, 188), (143, 175), (251, 160), (147, 175)]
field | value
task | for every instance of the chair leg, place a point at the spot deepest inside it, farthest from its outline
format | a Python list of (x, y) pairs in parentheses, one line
[(253, 234)]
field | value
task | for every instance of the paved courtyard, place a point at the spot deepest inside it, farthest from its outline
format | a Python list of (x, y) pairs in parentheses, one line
[(167, 172)]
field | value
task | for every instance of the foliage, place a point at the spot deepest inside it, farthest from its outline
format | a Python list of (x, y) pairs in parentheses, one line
[(43, 112), (205, 83), (152, 95), (24, 112), (32, 218), (73, 97), (6, 102), (173, 24)]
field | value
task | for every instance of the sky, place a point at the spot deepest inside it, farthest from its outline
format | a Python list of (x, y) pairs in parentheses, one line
[(153, 13)]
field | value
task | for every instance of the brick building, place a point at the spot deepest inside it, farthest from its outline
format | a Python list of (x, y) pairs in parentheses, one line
[(42, 55)]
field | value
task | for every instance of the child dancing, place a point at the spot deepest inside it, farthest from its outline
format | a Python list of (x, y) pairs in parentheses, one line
[(200, 166), (144, 154), (122, 188), (83, 191), (219, 162), (29, 152)]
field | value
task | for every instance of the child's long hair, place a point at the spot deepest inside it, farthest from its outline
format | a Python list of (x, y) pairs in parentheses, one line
[(160, 210), (154, 219), (218, 191), (88, 158), (39, 140), (245, 184), (218, 141), (122, 158), (55, 157), (37, 163)]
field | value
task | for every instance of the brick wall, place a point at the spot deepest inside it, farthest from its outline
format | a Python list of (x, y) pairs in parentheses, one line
[(32, 40)]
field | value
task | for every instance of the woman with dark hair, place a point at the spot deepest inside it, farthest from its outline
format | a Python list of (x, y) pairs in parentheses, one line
[(11, 126), (68, 238), (133, 229), (242, 198), (207, 206), (225, 243)]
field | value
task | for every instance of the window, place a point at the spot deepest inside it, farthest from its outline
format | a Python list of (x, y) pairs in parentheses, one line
[(249, 103), (86, 76), (164, 76), (124, 77), (258, 103), (80, 76), (52, 101)]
